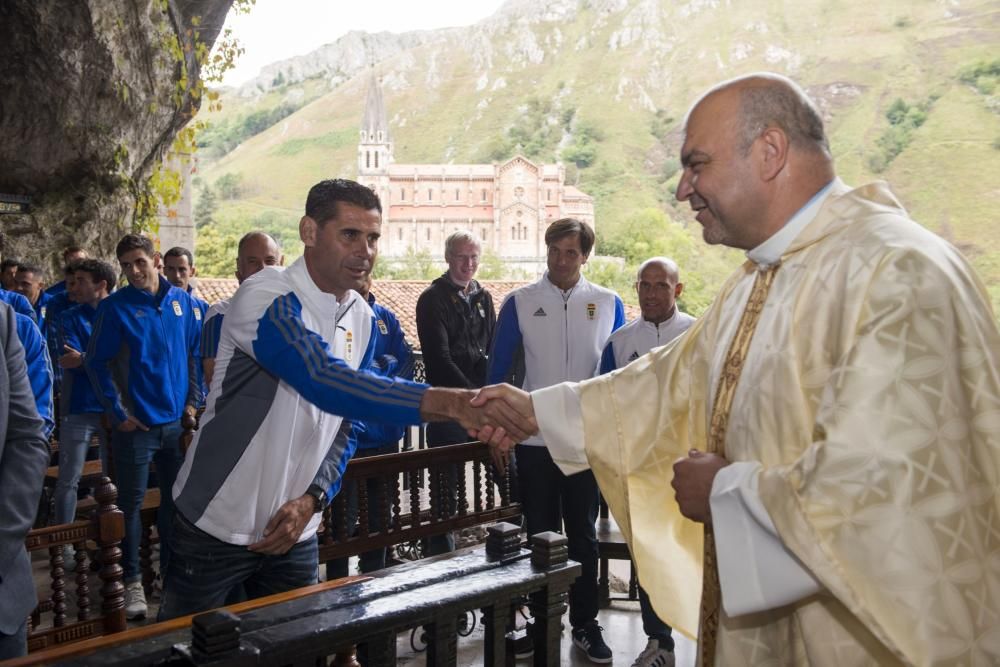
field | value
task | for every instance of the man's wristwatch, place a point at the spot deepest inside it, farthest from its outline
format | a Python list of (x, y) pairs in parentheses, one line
[(319, 498)]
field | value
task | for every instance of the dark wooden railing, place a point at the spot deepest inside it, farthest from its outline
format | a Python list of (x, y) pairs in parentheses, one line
[(106, 529), (307, 629), (419, 493)]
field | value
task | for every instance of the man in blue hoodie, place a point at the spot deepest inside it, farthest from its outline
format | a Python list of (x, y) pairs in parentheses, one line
[(141, 360), (81, 409), (392, 357)]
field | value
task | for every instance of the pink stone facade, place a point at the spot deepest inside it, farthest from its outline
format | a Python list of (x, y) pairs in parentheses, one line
[(507, 206)]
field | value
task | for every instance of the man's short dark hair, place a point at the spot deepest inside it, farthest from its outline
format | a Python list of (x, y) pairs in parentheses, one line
[(178, 251), (31, 267), (72, 250), (321, 204), (565, 227), (132, 242), (99, 270), (9, 262)]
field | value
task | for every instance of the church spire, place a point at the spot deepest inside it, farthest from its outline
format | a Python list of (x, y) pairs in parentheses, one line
[(374, 123)]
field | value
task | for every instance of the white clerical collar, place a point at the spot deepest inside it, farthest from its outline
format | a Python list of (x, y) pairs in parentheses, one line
[(770, 251)]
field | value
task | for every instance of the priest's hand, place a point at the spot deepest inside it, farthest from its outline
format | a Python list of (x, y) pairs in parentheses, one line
[(508, 399), (693, 478)]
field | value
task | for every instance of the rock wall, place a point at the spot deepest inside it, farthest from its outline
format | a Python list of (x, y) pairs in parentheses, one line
[(89, 100)]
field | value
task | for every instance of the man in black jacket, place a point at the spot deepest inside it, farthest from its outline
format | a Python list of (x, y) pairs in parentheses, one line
[(455, 322)]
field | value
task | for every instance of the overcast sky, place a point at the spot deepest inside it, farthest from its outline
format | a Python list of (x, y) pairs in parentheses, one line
[(279, 29)]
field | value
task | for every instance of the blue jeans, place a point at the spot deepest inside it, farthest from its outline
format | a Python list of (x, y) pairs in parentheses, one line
[(133, 453), (204, 571), (373, 559), (74, 440), (551, 500)]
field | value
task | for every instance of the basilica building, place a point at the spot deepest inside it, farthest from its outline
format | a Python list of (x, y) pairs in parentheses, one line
[(507, 205)]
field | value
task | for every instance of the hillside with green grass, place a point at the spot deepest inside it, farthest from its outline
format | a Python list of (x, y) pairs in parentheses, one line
[(909, 89)]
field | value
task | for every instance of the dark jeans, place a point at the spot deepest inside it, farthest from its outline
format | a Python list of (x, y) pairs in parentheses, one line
[(652, 625), (374, 559), (204, 571), (551, 501), (15, 645), (133, 453)]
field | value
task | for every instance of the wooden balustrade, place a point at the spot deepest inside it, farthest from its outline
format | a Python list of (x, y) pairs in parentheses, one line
[(450, 503), (309, 626), (106, 529)]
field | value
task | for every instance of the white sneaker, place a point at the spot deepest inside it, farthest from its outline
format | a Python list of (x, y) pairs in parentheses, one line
[(135, 601), (654, 656)]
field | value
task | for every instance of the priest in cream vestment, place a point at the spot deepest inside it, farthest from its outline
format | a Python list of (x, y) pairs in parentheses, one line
[(853, 464)]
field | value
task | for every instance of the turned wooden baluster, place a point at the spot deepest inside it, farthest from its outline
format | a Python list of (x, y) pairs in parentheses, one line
[(363, 507), (82, 581), (397, 504), (110, 530), (477, 483), (57, 573), (414, 499)]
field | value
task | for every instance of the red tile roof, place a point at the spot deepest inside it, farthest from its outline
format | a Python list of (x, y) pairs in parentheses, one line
[(399, 296)]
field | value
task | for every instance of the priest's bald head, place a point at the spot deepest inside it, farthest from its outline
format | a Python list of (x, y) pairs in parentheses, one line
[(754, 153)]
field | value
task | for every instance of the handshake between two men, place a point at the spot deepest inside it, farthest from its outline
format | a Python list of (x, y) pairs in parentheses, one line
[(502, 415)]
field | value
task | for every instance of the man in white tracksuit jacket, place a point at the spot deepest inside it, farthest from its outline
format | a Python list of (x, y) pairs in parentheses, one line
[(549, 332)]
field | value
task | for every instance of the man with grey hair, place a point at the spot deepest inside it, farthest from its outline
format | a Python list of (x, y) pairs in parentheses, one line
[(828, 426), (455, 323), (658, 286)]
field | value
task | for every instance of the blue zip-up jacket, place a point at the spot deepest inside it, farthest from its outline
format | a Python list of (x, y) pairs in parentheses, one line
[(151, 342), (200, 311), (41, 309), (58, 305), (19, 303), (211, 329), (78, 395), (36, 357), (57, 289), (558, 336)]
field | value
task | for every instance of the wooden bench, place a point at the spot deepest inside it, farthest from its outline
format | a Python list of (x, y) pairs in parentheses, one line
[(106, 528), (310, 625)]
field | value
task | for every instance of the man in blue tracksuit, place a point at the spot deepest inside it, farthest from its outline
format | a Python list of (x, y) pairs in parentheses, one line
[(549, 332), (70, 255), (80, 408), (29, 279), (179, 269), (141, 360), (392, 357), (658, 285), (36, 356)]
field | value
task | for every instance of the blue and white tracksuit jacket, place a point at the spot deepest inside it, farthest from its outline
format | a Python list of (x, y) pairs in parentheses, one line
[(639, 337), (558, 335), (285, 375)]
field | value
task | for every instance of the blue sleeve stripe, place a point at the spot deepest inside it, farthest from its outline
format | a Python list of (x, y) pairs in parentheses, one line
[(210, 335), (506, 339), (325, 369), (608, 359), (619, 313)]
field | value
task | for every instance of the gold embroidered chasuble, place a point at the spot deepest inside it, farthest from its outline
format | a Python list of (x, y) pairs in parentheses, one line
[(870, 394)]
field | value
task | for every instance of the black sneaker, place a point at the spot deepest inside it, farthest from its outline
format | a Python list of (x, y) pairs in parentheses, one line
[(588, 639), (524, 647)]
